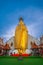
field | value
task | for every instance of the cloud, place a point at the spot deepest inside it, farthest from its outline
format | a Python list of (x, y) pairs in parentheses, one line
[(33, 19), (36, 29), (33, 29), (9, 33)]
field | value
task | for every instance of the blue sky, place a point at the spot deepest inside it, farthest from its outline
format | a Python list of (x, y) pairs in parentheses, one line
[(30, 10)]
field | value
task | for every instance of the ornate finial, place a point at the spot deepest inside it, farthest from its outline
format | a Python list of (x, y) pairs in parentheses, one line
[(21, 19)]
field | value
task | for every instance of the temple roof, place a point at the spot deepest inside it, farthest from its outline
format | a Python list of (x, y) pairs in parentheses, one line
[(33, 45)]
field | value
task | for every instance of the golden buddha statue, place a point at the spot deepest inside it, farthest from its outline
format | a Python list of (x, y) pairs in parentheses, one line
[(21, 37)]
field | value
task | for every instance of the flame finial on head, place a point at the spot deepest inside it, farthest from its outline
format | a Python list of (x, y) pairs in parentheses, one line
[(20, 19)]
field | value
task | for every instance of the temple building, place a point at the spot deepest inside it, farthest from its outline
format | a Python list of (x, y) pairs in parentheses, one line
[(22, 39), (1, 41), (41, 39)]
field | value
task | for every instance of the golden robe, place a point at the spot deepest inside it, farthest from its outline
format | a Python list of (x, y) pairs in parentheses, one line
[(21, 37)]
